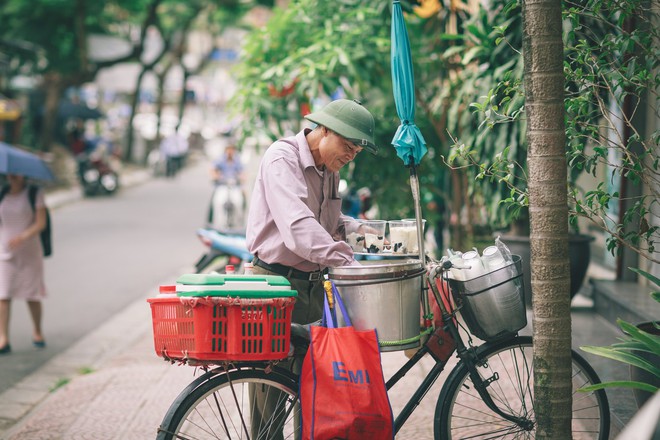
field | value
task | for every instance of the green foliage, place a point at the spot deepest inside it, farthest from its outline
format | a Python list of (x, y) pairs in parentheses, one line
[(55, 26), (305, 53), (59, 383), (307, 50), (488, 83), (612, 67), (612, 64), (468, 81), (85, 370), (627, 351)]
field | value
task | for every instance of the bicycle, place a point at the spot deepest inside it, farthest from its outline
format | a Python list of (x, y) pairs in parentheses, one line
[(488, 394)]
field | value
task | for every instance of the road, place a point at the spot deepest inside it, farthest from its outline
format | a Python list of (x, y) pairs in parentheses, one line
[(108, 252)]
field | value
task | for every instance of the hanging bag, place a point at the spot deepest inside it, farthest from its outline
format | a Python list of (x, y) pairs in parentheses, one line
[(342, 389)]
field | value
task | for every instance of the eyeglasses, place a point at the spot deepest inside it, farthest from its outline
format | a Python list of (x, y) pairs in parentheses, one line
[(348, 145), (352, 149)]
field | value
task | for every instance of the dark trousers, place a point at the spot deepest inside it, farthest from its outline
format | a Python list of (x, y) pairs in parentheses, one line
[(308, 309)]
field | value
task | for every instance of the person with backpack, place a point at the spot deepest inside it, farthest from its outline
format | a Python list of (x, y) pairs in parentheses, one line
[(23, 217)]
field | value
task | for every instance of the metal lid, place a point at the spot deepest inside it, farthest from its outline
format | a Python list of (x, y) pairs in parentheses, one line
[(376, 269)]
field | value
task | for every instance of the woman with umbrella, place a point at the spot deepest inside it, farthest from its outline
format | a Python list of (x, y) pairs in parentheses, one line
[(21, 253)]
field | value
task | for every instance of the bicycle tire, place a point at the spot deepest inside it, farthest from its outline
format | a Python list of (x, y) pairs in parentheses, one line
[(217, 406), (461, 413)]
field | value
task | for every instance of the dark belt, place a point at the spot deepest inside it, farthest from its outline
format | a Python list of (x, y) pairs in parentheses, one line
[(290, 272)]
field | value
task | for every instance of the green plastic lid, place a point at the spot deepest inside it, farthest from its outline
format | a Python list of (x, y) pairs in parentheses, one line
[(241, 286), (220, 279)]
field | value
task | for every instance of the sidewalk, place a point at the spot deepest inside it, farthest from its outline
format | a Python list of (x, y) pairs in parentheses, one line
[(119, 388)]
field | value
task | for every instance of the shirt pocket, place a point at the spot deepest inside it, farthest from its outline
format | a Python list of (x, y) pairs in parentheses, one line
[(330, 215)]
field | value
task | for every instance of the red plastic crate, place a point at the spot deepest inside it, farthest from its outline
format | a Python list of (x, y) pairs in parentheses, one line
[(221, 328)]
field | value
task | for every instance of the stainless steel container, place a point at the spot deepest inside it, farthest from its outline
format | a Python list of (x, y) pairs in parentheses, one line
[(385, 295)]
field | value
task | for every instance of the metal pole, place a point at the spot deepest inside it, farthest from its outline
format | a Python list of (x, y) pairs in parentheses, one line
[(414, 187)]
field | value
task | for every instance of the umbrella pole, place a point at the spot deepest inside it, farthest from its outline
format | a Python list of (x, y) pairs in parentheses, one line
[(414, 187)]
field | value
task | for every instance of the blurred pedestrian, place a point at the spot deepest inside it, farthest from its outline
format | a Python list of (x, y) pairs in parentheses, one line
[(368, 209), (77, 138), (21, 256), (173, 149), (227, 206), (228, 168)]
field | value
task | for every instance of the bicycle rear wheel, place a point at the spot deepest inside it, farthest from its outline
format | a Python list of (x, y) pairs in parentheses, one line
[(461, 413), (222, 407)]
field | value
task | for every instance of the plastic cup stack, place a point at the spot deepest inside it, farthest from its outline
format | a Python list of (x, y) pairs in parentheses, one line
[(505, 292), (484, 303)]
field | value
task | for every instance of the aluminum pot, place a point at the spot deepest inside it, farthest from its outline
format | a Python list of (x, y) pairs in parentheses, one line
[(385, 295)]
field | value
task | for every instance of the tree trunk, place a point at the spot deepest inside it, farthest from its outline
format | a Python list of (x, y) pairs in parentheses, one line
[(160, 99), (182, 99), (52, 84), (544, 106), (130, 130)]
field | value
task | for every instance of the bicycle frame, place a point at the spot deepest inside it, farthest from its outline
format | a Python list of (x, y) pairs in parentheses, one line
[(467, 354), (498, 369)]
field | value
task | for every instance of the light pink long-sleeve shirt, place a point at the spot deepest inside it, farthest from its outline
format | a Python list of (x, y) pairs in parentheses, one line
[(295, 210)]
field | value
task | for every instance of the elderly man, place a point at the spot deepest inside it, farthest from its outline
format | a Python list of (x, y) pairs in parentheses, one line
[(295, 211)]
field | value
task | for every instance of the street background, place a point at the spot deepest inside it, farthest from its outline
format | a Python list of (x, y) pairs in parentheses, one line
[(99, 377)]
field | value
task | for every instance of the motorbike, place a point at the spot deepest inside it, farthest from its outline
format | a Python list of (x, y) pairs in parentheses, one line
[(224, 247), (227, 206), (96, 173)]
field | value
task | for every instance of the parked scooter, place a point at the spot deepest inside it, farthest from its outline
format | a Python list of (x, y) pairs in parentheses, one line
[(95, 171), (224, 247)]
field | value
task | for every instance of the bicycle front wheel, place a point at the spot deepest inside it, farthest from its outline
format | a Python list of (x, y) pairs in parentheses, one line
[(461, 413), (243, 403)]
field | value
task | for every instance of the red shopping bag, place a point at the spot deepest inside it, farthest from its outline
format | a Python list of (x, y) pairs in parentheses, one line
[(342, 389)]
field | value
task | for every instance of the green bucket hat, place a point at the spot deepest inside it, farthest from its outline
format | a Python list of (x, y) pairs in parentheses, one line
[(349, 119)]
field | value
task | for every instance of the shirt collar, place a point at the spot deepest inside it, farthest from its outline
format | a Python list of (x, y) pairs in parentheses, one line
[(306, 157)]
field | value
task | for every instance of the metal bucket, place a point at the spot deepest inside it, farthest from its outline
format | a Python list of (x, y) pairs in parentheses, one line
[(385, 295)]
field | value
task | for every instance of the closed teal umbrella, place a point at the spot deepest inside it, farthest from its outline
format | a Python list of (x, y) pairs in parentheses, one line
[(408, 140)]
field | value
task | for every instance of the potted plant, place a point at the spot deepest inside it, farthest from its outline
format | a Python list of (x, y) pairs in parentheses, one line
[(640, 349)]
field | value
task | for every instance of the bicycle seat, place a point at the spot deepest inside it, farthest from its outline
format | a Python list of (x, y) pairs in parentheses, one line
[(301, 334)]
